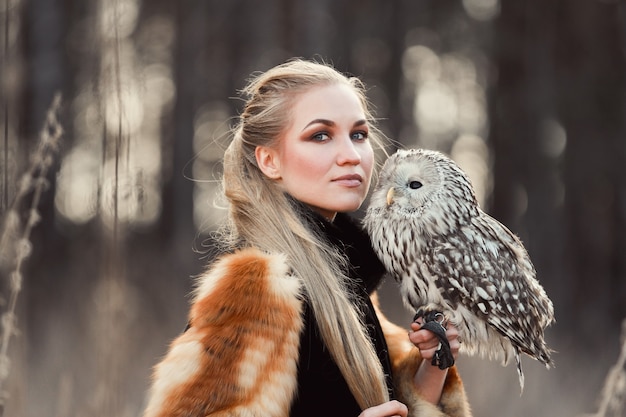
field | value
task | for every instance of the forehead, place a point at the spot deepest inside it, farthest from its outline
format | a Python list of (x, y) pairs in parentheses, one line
[(329, 101)]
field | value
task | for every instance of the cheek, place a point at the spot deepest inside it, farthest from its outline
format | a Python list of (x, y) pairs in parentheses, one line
[(303, 165), (367, 162)]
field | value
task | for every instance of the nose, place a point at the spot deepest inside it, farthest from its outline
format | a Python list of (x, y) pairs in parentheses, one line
[(348, 154)]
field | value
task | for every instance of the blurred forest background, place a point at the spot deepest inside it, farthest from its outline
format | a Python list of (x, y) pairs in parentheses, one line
[(106, 222)]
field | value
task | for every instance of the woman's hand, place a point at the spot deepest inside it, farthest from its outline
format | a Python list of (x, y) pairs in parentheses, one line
[(429, 379), (389, 409), (427, 342)]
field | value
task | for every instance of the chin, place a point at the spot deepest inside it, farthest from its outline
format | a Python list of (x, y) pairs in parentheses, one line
[(348, 207)]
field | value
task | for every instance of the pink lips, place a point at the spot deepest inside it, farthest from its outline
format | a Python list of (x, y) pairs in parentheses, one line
[(351, 180)]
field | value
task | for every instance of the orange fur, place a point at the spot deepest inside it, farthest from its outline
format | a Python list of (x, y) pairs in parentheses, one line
[(239, 356)]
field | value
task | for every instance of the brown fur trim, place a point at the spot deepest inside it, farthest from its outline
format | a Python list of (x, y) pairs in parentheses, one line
[(239, 357), (405, 360)]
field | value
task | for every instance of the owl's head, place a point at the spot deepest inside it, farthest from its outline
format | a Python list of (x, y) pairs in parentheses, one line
[(426, 186)]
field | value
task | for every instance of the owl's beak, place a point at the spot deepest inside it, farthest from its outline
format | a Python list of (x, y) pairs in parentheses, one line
[(390, 196)]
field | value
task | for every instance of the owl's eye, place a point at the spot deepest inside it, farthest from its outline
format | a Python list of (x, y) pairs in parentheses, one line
[(414, 185)]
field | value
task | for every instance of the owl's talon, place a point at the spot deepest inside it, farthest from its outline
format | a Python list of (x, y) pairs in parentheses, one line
[(418, 315)]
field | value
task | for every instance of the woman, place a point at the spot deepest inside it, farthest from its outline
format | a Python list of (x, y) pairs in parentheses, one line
[(285, 322)]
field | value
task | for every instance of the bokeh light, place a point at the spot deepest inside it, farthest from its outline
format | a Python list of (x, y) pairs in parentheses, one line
[(482, 10)]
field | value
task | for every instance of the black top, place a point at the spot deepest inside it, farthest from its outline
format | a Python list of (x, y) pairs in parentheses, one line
[(322, 390)]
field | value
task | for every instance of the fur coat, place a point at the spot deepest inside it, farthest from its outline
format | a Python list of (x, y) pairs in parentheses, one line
[(239, 356)]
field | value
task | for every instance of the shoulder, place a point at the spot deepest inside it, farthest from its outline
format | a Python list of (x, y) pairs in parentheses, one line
[(239, 355), (246, 275)]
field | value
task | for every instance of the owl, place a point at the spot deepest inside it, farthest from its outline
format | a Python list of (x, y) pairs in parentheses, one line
[(455, 263)]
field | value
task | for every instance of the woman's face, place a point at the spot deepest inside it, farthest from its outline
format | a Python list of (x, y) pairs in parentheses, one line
[(324, 158)]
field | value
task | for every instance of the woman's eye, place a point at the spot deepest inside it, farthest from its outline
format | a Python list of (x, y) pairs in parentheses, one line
[(414, 185), (320, 137), (359, 135)]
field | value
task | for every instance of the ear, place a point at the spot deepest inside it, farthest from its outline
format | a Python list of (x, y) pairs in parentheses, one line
[(268, 161)]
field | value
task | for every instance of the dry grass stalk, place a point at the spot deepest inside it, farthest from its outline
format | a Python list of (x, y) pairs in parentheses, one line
[(613, 396), (20, 219)]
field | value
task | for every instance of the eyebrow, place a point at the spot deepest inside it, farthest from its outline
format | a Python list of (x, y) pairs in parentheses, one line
[(330, 123)]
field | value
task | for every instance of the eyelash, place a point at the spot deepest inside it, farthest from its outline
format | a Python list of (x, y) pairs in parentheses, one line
[(364, 134), (317, 136)]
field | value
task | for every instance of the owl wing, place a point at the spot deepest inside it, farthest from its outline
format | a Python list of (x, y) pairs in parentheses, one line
[(485, 268)]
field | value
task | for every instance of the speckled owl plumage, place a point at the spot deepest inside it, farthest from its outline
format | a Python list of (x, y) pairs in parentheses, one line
[(448, 255)]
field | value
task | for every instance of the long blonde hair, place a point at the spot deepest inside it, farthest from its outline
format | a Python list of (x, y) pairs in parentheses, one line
[(261, 215)]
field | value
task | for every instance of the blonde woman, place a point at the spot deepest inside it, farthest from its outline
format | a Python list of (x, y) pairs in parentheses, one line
[(285, 322)]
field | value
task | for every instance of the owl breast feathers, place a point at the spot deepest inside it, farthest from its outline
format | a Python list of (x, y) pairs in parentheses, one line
[(448, 255)]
